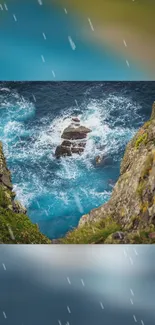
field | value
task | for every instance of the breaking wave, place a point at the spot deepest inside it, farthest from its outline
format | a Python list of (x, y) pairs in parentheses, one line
[(57, 193)]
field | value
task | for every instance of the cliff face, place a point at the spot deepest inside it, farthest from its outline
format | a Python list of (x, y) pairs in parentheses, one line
[(129, 215), (15, 226)]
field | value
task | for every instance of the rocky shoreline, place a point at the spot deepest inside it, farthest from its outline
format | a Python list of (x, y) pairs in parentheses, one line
[(129, 215), (127, 218), (15, 225), (6, 187)]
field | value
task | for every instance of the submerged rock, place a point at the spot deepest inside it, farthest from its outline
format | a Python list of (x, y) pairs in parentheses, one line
[(98, 160), (74, 139)]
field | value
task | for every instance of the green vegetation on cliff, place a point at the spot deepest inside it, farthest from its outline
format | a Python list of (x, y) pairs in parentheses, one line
[(132, 204), (15, 225), (92, 233), (127, 218), (16, 228), (111, 233)]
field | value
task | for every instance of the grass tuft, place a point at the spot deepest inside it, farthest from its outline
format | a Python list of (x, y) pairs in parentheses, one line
[(91, 233), (21, 228)]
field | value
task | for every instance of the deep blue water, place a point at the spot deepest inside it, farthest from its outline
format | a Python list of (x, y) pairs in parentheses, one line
[(32, 117), (23, 45)]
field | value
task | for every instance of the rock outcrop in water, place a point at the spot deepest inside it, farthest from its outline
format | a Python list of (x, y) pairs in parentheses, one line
[(129, 215), (74, 139), (15, 226)]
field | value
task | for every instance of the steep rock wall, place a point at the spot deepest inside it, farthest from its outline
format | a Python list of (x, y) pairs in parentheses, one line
[(131, 208)]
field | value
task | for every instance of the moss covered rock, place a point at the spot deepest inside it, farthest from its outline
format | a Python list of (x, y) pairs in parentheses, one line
[(92, 232), (15, 225), (16, 228)]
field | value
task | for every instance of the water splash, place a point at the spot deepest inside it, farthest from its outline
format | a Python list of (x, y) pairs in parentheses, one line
[(57, 193)]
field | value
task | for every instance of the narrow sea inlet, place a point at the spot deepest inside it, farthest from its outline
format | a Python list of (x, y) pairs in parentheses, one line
[(57, 191)]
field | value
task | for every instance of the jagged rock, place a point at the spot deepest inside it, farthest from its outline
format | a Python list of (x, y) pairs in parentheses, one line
[(72, 144), (76, 119), (5, 179), (77, 150), (153, 111), (62, 151), (75, 133), (15, 225), (132, 203), (66, 143), (18, 207), (6, 187), (81, 144)]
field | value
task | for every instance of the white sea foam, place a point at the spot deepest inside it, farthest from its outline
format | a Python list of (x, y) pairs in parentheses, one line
[(106, 138), (24, 196)]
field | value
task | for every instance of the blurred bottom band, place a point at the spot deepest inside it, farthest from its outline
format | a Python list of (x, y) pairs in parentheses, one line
[(44, 284)]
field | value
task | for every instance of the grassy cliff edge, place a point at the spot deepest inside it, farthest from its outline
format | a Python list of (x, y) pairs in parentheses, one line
[(15, 225), (129, 215)]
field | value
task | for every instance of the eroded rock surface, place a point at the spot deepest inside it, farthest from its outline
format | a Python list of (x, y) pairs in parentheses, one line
[(74, 139), (15, 225), (132, 203), (6, 186)]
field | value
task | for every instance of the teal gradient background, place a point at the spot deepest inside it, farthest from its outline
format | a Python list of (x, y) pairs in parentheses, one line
[(35, 46)]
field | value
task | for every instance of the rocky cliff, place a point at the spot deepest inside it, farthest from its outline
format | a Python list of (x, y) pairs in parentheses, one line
[(15, 226), (129, 215)]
